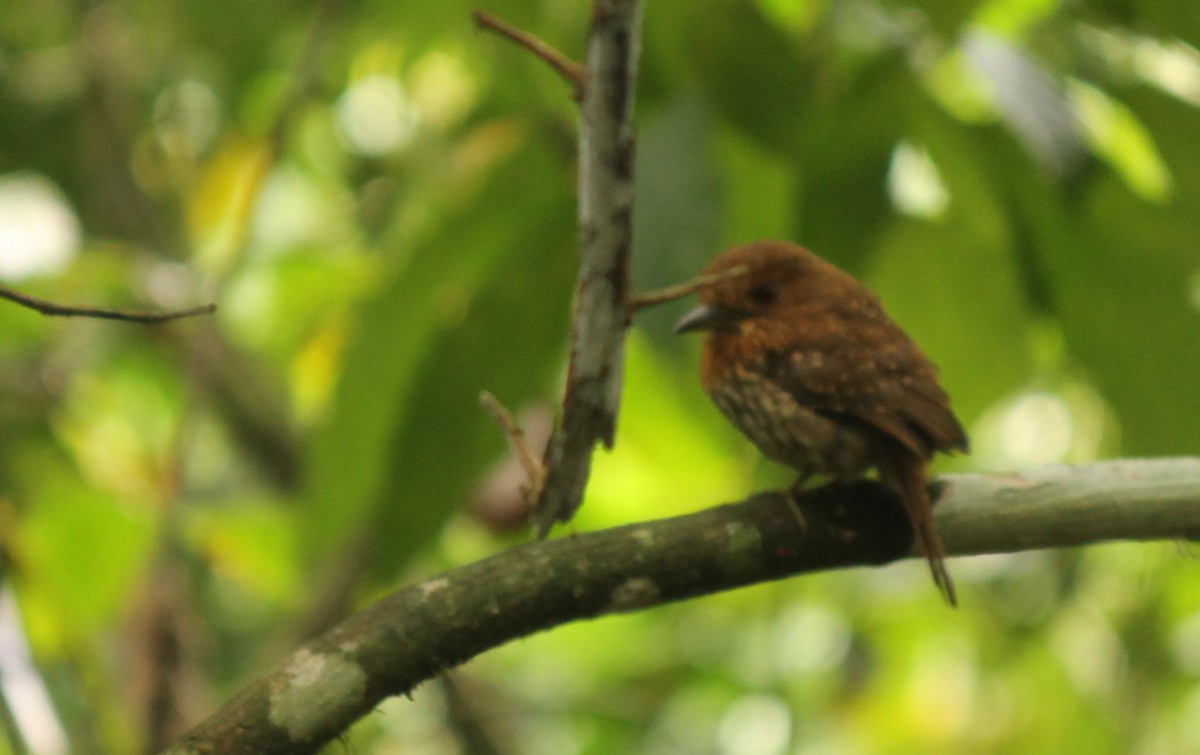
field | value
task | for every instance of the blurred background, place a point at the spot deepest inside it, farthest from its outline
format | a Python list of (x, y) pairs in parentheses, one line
[(381, 200)]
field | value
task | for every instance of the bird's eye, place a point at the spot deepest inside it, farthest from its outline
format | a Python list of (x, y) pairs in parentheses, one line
[(763, 295)]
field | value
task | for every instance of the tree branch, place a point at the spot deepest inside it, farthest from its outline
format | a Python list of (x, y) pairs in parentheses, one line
[(606, 145), (47, 307), (429, 627), (638, 302), (535, 473), (567, 68)]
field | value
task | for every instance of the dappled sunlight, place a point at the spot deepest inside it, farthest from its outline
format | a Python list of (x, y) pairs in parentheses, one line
[(667, 459), (122, 431), (1090, 651), (810, 638), (943, 690), (1042, 427), (1169, 64), (914, 184), (1188, 719), (27, 699), (755, 724), (187, 119), (1186, 644), (376, 116), (1117, 136), (39, 232), (382, 201), (441, 88), (1036, 429), (221, 202)]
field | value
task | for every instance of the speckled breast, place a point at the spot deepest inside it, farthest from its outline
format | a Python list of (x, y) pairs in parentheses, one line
[(789, 432)]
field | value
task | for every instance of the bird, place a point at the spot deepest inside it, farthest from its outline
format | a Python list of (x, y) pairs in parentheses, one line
[(802, 358)]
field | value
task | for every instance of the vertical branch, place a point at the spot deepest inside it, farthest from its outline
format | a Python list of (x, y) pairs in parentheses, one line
[(606, 147)]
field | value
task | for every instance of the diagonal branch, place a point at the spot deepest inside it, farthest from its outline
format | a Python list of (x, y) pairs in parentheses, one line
[(429, 627), (606, 146), (47, 307), (535, 473), (567, 68)]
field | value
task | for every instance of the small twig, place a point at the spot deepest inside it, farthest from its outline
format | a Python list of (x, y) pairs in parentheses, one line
[(638, 302), (534, 469), (47, 307), (570, 70)]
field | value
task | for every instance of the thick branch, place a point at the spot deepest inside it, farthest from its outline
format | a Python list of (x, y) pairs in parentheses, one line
[(437, 624), (606, 141)]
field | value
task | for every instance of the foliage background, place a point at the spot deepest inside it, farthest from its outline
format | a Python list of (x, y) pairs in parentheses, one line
[(380, 199)]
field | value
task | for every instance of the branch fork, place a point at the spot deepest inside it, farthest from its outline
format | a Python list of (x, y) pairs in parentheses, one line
[(605, 89)]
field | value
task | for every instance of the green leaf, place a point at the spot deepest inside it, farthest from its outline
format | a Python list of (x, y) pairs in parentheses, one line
[(84, 554), (676, 215), (402, 432), (1126, 285), (752, 71), (847, 150), (510, 340), (1121, 276)]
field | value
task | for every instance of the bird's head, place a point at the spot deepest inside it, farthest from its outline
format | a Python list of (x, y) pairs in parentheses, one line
[(774, 276)]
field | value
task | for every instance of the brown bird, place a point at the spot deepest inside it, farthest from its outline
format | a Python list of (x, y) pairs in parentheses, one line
[(802, 358)]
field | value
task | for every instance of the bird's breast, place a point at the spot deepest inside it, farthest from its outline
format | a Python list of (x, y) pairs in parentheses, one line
[(786, 430)]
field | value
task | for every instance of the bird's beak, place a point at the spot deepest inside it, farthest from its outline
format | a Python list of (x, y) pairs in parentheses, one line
[(707, 317)]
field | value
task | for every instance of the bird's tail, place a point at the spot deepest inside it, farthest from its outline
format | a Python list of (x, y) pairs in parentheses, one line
[(906, 472)]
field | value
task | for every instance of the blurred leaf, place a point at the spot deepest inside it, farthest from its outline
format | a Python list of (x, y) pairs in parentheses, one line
[(1013, 19), (844, 164), (946, 19), (395, 437), (677, 217), (751, 70), (1121, 274), (1118, 137), (510, 340), (1030, 97), (84, 555), (1143, 349), (1155, 18), (975, 203), (761, 191), (253, 545)]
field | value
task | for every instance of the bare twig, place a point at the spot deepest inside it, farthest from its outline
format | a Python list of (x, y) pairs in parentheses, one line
[(638, 302), (47, 307), (570, 70), (422, 630), (606, 146), (529, 460)]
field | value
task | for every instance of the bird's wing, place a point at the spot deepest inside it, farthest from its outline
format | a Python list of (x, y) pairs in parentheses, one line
[(879, 377)]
